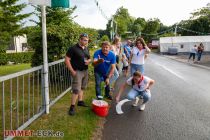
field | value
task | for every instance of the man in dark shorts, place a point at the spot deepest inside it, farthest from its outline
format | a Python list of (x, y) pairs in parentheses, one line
[(77, 60)]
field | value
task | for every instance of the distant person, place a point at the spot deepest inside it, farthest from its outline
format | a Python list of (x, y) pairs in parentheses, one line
[(125, 65), (138, 54), (140, 87), (104, 62), (200, 51), (116, 48), (77, 60), (127, 49), (193, 51)]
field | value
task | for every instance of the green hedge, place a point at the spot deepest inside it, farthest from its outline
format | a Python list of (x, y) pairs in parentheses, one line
[(24, 57)]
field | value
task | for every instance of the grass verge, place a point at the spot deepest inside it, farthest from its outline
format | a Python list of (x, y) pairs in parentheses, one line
[(8, 69), (78, 127)]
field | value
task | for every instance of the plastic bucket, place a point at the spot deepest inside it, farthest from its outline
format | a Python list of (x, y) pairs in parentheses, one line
[(100, 108)]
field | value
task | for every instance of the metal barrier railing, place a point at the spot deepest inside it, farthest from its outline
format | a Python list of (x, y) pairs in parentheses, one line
[(23, 95)]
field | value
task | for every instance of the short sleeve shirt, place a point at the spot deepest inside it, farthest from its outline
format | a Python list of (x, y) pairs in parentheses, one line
[(108, 61), (141, 86), (78, 55), (138, 56)]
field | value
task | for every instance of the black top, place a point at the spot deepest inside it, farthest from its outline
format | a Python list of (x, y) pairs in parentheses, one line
[(78, 55)]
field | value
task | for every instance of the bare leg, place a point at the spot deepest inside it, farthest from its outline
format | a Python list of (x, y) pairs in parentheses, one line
[(80, 95)]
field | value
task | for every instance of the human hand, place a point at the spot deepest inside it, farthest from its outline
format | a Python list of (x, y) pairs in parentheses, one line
[(87, 62), (73, 73), (100, 60), (107, 81), (117, 98)]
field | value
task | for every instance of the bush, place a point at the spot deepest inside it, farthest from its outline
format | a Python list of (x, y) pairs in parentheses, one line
[(24, 57)]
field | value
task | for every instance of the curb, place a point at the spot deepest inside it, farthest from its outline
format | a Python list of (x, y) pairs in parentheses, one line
[(196, 65)]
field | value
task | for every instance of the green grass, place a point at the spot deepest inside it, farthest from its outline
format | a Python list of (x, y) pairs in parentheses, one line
[(78, 127), (8, 69)]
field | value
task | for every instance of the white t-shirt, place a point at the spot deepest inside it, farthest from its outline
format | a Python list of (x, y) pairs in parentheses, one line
[(193, 50), (141, 86), (125, 61), (138, 56)]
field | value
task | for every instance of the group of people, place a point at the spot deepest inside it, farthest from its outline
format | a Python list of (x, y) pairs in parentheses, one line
[(108, 63), (196, 50)]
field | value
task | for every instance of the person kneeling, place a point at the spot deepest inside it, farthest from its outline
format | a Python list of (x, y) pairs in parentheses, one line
[(140, 87)]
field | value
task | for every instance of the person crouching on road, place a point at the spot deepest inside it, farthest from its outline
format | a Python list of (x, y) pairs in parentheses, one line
[(104, 62), (140, 87)]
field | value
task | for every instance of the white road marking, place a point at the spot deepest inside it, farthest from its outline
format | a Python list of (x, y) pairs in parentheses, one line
[(169, 70), (119, 106)]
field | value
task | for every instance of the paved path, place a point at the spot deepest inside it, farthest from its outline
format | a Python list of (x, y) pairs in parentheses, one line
[(179, 109)]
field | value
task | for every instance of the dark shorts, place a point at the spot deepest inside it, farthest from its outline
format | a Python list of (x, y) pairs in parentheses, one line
[(80, 81), (125, 68)]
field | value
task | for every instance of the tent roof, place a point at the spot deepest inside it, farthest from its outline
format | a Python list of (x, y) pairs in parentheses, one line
[(182, 39)]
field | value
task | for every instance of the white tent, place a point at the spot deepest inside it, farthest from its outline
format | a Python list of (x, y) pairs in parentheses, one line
[(183, 43)]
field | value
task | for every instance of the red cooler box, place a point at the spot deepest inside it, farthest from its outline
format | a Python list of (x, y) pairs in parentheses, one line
[(100, 108)]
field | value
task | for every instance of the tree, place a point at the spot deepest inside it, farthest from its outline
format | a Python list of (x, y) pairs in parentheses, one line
[(198, 24), (122, 19), (138, 25), (62, 32), (151, 29), (10, 21)]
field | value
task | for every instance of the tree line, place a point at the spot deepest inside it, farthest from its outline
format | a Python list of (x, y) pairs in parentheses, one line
[(63, 32)]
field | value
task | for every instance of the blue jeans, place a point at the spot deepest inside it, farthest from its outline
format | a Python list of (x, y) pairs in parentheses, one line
[(132, 94), (114, 76), (135, 67), (98, 80), (199, 56)]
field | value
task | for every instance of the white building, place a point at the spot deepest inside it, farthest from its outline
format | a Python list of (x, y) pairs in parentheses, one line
[(182, 44), (18, 44)]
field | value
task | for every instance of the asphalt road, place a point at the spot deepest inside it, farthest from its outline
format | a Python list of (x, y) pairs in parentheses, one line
[(179, 109)]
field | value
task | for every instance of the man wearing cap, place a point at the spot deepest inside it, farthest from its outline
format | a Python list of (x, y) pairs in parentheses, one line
[(77, 60), (104, 62)]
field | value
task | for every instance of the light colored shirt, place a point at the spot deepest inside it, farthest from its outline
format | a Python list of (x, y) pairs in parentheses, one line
[(193, 50), (125, 61), (141, 86), (138, 56)]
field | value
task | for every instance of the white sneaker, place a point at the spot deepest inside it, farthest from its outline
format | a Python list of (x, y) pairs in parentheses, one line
[(142, 107), (136, 102)]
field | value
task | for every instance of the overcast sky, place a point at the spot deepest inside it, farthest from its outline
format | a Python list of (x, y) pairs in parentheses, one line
[(168, 11)]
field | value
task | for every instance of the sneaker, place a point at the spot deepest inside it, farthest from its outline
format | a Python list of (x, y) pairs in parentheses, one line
[(108, 97), (136, 102), (142, 107), (81, 103), (72, 111), (99, 97)]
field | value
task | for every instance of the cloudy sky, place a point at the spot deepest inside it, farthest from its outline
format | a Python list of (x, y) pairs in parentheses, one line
[(168, 11)]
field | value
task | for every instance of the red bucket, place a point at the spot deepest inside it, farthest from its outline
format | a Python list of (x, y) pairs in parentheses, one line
[(100, 108)]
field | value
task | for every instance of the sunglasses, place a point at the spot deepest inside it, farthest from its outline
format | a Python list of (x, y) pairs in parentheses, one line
[(85, 40), (83, 35)]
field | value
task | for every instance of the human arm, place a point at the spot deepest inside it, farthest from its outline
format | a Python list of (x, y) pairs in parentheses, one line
[(130, 58), (122, 88), (69, 66), (109, 75), (146, 47), (97, 61), (88, 61), (150, 83)]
